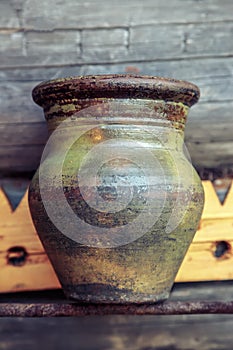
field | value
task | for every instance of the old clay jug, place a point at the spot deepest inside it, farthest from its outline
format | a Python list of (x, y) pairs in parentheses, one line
[(115, 201)]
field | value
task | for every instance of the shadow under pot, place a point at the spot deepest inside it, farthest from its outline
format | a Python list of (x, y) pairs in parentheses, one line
[(115, 201)]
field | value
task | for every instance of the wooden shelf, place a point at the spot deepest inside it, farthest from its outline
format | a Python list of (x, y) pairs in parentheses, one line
[(195, 298)]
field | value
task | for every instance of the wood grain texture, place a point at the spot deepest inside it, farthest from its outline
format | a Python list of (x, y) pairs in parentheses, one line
[(198, 69), (153, 42), (17, 230), (208, 146), (204, 260), (20, 159), (177, 41), (104, 13), (9, 17), (209, 154), (206, 332), (44, 40)]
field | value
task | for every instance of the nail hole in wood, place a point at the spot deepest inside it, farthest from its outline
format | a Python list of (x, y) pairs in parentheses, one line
[(16, 256), (221, 249)]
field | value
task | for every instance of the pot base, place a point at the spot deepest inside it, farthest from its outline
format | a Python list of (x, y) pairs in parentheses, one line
[(102, 294)]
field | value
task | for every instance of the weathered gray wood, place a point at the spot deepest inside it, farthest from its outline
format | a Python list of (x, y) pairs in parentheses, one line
[(211, 155), (214, 77), (43, 15), (210, 122), (197, 69), (105, 44), (19, 159), (104, 37), (9, 17), (11, 44), (16, 104), (59, 46), (169, 42), (152, 42), (39, 48), (44, 40), (210, 125), (205, 332), (105, 54), (23, 134), (119, 332), (175, 41)]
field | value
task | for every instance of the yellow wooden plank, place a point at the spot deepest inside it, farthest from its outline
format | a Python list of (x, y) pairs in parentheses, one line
[(21, 235), (228, 203), (35, 274), (213, 209), (20, 216), (16, 228), (214, 230), (5, 210), (200, 264)]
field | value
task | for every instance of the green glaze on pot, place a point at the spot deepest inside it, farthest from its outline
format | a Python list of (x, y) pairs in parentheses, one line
[(150, 114)]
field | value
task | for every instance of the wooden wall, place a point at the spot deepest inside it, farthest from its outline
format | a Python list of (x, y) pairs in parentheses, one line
[(184, 39), (189, 39)]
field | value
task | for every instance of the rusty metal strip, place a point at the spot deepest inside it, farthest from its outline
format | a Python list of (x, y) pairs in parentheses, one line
[(74, 309)]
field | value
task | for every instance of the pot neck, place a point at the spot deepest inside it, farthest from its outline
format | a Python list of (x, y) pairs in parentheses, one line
[(172, 115)]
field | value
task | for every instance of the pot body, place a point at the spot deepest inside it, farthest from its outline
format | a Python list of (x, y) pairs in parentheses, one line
[(115, 202)]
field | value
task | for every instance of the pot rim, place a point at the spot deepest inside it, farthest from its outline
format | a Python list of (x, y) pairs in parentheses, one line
[(116, 86)]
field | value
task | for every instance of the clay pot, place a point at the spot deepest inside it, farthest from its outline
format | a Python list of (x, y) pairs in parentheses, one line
[(116, 202)]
